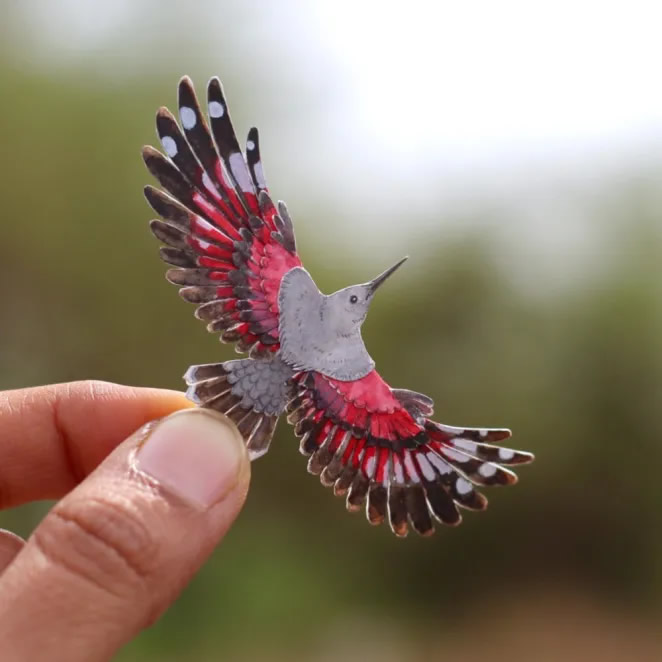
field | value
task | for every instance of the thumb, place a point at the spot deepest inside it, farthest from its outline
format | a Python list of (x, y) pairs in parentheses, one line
[(116, 551)]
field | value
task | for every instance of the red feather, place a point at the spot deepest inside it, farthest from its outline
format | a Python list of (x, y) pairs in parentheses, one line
[(231, 247), (407, 466), (247, 258)]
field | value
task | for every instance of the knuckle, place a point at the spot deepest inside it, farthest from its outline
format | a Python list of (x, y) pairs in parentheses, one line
[(102, 541)]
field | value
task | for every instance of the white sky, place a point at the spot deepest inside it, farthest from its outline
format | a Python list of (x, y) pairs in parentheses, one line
[(433, 104), (484, 103), (494, 80), (476, 80)]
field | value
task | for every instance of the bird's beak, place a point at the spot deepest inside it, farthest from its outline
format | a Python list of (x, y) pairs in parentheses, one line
[(376, 282)]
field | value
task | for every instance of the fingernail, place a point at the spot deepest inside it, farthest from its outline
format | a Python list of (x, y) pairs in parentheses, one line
[(196, 454)]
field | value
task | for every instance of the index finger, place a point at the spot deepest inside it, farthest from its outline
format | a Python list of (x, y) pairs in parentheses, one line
[(51, 437)]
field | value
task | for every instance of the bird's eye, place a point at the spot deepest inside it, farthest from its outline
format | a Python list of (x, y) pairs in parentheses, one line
[(353, 298)]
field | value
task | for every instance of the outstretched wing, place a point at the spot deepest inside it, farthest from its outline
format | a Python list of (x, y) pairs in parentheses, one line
[(230, 245), (371, 441)]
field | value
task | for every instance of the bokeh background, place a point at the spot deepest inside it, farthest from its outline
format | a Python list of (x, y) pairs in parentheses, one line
[(514, 151)]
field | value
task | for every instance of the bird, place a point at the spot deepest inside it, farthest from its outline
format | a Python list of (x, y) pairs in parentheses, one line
[(232, 252)]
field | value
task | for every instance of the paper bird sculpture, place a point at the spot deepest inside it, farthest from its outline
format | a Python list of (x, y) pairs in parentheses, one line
[(235, 257)]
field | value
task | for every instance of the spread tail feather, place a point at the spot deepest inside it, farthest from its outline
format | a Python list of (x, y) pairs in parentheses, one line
[(210, 385)]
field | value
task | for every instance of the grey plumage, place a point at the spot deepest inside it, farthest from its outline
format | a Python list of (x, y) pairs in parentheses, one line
[(261, 384), (323, 333), (252, 392)]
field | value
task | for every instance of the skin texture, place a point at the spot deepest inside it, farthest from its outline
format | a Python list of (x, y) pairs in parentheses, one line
[(92, 572)]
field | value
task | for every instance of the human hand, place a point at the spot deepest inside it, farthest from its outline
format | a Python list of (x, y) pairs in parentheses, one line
[(136, 518)]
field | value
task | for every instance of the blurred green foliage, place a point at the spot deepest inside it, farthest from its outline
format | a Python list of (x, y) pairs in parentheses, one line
[(576, 372)]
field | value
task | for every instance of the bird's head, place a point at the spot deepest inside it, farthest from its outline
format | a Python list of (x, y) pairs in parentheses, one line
[(348, 307)]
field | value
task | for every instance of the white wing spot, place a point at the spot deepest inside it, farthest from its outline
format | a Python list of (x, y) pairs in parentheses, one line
[(506, 454), (386, 477), (465, 445), (482, 432), (463, 486), (397, 471), (487, 470), (426, 468), (452, 454), (451, 429), (370, 466), (238, 167), (259, 175), (216, 109), (250, 145), (442, 466), (208, 184), (411, 469), (187, 115), (169, 145)]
